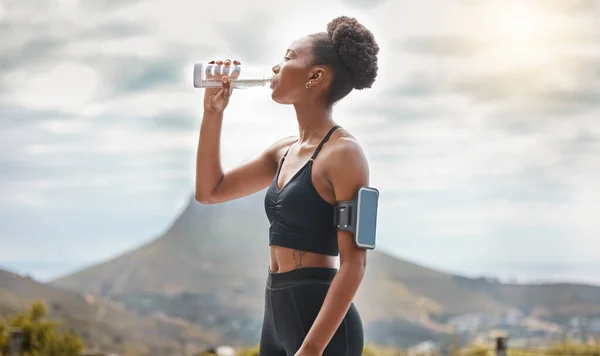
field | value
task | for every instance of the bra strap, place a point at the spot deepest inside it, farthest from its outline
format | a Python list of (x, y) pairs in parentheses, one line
[(325, 139), (286, 151)]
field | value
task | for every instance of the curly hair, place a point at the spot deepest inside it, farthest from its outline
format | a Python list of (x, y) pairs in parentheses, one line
[(350, 50)]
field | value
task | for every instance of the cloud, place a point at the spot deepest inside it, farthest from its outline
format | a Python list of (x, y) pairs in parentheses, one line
[(518, 97), (569, 8), (248, 37), (181, 120), (51, 53), (20, 117), (530, 96), (104, 5), (364, 4), (566, 8), (496, 224), (129, 74), (472, 47), (444, 46), (396, 111), (564, 78), (420, 84), (43, 150), (40, 66), (27, 44), (114, 28)]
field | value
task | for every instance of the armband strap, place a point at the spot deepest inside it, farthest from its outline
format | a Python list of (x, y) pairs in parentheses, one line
[(344, 215)]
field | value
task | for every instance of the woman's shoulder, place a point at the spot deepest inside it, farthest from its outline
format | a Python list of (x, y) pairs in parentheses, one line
[(344, 151), (347, 167), (345, 145)]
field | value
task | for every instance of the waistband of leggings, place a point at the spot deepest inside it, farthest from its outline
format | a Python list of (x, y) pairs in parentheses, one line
[(303, 275)]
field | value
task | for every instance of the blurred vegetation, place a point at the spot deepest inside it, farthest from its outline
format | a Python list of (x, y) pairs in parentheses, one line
[(570, 348), (41, 337), (574, 348), (368, 351), (567, 348)]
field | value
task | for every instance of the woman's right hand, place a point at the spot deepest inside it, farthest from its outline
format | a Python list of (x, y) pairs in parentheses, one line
[(216, 99)]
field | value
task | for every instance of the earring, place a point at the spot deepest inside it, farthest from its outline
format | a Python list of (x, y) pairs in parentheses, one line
[(308, 84)]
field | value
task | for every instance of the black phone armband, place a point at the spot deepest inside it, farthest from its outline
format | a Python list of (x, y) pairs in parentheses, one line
[(359, 216)]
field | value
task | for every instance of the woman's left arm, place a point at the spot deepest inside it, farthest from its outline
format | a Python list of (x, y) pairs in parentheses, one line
[(348, 170)]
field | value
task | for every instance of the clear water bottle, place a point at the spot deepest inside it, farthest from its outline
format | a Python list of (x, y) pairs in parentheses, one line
[(207, 75)]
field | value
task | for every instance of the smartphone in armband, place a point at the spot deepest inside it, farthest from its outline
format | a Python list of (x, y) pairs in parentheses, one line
[(359, 216)]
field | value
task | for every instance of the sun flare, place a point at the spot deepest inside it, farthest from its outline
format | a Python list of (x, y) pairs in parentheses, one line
[(518, 32), (518, 23)]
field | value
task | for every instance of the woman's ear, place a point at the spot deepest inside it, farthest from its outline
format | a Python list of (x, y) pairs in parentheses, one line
[(317, 75)]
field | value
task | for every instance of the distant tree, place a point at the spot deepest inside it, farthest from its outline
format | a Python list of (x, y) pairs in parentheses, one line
[(477, 350), (574, 347), (41, 337), (3, 339), (253, 351), (368, 352)]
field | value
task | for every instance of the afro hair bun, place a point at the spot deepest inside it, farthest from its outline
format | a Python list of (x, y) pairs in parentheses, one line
[(357, 48)]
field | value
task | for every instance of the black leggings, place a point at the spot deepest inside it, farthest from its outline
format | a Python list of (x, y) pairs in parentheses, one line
[(292, 301)]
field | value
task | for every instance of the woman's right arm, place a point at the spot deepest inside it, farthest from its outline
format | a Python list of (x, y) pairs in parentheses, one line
[(212, 184)]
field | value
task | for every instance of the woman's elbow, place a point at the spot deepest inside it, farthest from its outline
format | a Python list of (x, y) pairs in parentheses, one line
[(358, 264), (203, 198)]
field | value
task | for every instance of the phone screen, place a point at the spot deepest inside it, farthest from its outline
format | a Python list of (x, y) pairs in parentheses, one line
[(366, 225)]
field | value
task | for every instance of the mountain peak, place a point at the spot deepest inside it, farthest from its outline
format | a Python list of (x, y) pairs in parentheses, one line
[(211, 264)]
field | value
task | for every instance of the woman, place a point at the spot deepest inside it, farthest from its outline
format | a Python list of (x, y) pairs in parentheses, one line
[(308, 304)]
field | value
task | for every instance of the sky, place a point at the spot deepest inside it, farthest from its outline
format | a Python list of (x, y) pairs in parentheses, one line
[(482, 128)]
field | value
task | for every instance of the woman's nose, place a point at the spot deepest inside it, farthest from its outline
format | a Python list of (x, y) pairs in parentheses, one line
[(276, 69)]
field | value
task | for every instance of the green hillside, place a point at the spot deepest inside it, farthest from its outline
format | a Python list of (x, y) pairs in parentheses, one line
[(102, 324)]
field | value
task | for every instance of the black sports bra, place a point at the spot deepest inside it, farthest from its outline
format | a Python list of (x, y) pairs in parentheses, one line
[(300, 218)]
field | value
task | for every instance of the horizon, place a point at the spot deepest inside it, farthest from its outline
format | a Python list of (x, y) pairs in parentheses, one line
[(480, 131), (557, 275)]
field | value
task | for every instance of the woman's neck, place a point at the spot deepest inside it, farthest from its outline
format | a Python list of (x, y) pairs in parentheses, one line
[(313, 122)]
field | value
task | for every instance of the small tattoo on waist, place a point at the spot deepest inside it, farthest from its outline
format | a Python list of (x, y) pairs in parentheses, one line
[(298, 258)]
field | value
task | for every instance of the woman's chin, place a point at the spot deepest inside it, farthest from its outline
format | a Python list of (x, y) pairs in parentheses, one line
[(276, 98), (279, 97)]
